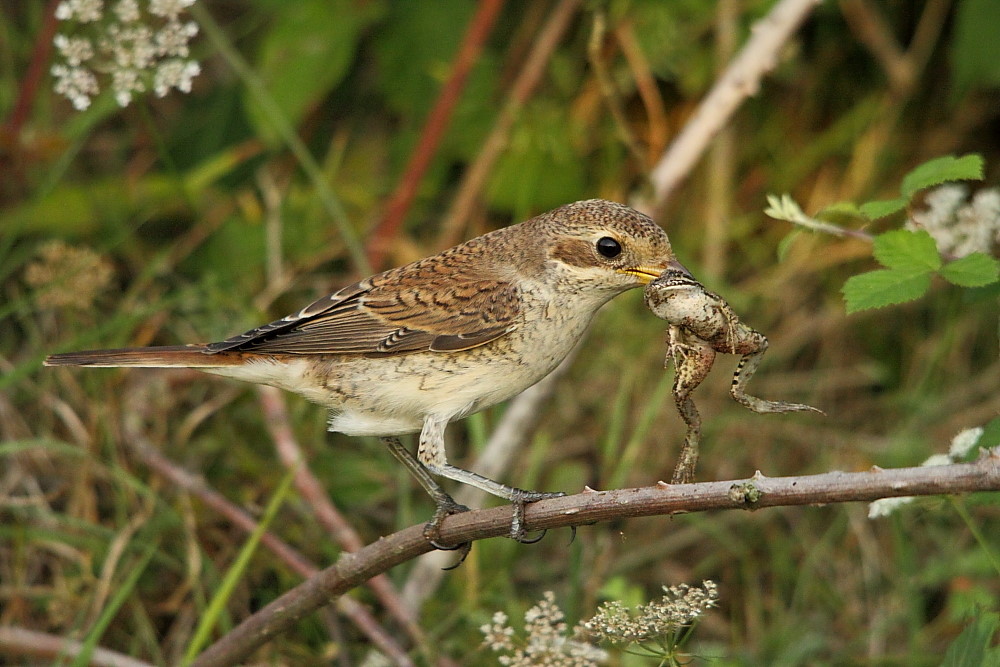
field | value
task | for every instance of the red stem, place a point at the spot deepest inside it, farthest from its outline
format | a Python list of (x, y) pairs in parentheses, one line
[(437, 121), (32, 77)]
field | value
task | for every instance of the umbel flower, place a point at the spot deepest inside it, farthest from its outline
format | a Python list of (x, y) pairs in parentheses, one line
[(139, 46)]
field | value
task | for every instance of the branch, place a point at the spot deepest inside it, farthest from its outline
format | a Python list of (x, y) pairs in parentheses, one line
[(151, 456), (46, 647), (313, 493), (740, 80), (590, 507)]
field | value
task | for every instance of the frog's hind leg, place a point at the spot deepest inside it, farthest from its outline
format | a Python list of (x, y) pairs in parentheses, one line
[(748, 365)]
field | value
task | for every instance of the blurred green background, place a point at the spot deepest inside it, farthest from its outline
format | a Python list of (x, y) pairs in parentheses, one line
[(189, 218)]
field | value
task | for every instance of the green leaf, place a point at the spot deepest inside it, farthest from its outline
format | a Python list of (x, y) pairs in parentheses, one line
[(842, 213), (907, 251), (885, 287), (306, 52), (975, 270), (881, 208), (786, 243), (970, 648), (942, 170)]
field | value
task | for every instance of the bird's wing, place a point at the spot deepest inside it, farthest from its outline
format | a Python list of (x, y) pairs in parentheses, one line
[(388, 315)]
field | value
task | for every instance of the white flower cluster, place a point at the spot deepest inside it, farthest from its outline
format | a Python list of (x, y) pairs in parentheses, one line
[(137, 49), (657, 621), (961, 445), (960, 227), (547, 642)]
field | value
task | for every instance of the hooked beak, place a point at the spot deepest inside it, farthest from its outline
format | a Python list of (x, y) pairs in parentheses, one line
[(647, 274)]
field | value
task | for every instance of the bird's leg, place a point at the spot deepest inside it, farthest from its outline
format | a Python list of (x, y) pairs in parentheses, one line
[(431, 454), (446, 505), (693, 360)]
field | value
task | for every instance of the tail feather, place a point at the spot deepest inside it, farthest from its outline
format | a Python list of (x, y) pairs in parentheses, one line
[(174, 356)]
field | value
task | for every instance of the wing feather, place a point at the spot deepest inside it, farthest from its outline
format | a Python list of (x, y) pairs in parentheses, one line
[(397, 312)]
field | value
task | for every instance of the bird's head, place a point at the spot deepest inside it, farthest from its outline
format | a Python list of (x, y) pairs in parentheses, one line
[(603, 247)]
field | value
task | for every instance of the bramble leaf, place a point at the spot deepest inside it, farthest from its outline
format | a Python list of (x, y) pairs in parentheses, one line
[(884, 287), (942, 170), (881, 208), (907, 251), (973, 270)]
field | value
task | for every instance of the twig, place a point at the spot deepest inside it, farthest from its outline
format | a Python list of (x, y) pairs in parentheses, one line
[(527, 80), (47, 648), (437, 121), (645, 83), (787, 209), (585, 508), (875, 33), (740, 80), (596, 57), (193, 484)]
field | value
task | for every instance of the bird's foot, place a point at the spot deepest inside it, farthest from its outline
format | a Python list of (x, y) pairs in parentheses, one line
[(519, 499), (446, 506)]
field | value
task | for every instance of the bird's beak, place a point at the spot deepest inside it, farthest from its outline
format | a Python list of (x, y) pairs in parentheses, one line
[(647, 274)]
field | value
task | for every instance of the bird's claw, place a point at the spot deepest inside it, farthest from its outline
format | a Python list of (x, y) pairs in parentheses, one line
[(432, 530), (518, 501)]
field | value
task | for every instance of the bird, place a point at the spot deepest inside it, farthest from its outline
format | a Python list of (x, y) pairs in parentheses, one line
[(414, 348)]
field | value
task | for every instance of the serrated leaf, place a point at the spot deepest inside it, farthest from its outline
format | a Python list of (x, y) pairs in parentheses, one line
[(885, 287), (969, 648), (907, 251), (975, 270), (942, 170), (881, 208)]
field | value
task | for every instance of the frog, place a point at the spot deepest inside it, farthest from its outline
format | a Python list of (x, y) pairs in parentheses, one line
[(702, 325)]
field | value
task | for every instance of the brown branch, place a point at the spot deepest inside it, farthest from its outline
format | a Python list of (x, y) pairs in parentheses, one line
[(609, 91), (527, 80), (437, 121), (873, 31), (44, 647), (194, 485), (585, 508), (649, 93), (740, 80)]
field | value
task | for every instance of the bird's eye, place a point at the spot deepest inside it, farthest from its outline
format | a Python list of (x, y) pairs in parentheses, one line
[(608, 247)]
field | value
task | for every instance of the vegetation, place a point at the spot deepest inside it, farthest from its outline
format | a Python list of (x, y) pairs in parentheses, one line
[(299, 160)]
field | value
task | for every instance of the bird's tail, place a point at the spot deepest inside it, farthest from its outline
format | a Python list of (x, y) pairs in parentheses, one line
[(174, 356)]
